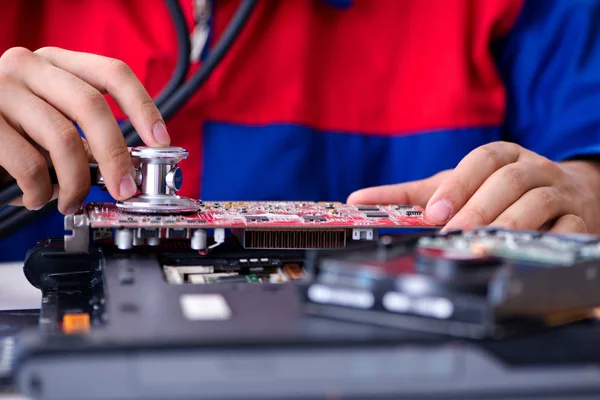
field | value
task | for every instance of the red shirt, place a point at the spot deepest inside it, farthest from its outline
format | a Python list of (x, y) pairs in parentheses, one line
[(315, 101)]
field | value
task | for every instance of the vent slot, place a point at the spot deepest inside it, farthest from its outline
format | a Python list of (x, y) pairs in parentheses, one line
[(294, 239)]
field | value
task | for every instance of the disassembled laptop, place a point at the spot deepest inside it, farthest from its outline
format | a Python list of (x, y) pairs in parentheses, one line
[(272, 282)]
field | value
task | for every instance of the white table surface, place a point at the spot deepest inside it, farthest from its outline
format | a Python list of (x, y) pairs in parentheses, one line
[(12, 397), (16, 293)]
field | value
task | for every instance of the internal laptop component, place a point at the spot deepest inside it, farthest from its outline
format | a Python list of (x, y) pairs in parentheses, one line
[(252, 270), (476, 284), (257, 225)]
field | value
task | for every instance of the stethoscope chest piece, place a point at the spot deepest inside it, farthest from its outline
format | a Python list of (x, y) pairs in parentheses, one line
[(158, 179)]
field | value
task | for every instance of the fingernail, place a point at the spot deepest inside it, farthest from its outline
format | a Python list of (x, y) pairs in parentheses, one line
[(127, 188), (159, 131), (72, 209), (440, 211)]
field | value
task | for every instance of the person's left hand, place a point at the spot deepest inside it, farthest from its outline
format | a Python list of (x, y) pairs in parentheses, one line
[(502, 184)]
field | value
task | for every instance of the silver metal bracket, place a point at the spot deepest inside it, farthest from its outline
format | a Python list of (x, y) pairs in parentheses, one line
[(364, 234), (78, 241)]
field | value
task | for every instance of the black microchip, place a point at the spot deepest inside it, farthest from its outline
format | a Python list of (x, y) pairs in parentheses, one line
[(314, 218), (256, 218), (367, 208), (177, 234), (414, 213), (149, 233), (232, 279), (376, 215), (404, 207)]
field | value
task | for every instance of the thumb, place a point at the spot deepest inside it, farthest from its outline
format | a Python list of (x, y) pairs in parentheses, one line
[(414, 193)]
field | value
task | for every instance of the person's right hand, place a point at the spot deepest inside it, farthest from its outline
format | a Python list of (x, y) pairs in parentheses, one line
[(42, 94)]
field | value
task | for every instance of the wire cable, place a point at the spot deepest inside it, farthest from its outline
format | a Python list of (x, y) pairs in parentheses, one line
[(183, 94), (9, 193), (181, 67), (15, 218)]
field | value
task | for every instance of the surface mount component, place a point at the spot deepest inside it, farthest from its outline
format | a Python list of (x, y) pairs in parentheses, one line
[(158, 178)]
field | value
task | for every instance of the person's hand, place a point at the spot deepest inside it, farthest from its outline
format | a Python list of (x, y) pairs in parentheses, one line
[(502, 184), (42, 94)]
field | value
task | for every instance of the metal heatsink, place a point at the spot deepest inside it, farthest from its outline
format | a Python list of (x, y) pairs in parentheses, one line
[(292, 239)]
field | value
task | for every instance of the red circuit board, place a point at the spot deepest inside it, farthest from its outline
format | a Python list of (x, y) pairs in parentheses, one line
[(265, 215)]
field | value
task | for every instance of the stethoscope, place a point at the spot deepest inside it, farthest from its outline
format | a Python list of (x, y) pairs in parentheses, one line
[(172, 98)]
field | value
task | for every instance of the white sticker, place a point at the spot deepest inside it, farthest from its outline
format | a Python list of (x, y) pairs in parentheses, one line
[(356, 298), (204, 307), (436, 307)]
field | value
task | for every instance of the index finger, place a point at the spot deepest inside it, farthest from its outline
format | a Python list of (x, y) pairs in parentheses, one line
[(79, 102), (468, 176), (414, 193), (112, 76)]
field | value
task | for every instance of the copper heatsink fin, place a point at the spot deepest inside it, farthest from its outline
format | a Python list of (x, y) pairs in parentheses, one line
[(294, 239)]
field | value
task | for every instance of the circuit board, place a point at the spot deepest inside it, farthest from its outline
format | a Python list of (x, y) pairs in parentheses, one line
[(544, 249), (249, 271), (265, 215)]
